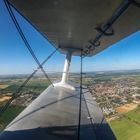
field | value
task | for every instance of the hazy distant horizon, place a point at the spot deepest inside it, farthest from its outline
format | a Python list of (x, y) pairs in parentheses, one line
[(15, 58), (40, 73)]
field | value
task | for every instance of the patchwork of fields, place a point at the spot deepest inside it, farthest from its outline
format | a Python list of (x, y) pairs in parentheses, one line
[(7, 88), (128, 127), (125, 128), (36, 85)]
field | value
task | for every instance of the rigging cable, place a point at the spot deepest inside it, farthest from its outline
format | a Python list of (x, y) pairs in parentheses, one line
[(15, 9), (80, 102), (18, 92), (24, 38)]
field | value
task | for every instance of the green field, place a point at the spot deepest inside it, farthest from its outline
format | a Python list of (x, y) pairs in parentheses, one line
[(36, 85), (9, 115), (128, 127)]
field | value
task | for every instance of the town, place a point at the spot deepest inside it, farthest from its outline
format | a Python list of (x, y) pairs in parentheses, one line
[(116, 95)]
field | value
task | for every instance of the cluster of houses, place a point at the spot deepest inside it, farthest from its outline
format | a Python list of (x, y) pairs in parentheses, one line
[(112, 94)]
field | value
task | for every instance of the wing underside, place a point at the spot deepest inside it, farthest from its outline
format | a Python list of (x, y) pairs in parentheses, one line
[(71, 23)]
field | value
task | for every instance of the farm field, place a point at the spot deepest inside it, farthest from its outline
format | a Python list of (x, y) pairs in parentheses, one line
[(9, 115), (128, 127), (8, 87), (126, 108), (4, 98), (37, 85), (3, 86)]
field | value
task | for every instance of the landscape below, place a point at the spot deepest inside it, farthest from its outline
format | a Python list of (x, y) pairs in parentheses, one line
[(117, 93)]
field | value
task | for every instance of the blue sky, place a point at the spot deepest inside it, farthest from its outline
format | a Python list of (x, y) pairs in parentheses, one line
[(15, 59)]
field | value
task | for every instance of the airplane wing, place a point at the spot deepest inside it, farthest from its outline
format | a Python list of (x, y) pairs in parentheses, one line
[(54, 115), (72, 23)]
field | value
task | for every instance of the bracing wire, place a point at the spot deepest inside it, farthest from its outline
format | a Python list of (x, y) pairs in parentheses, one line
[(24, 38), (13, 7), (80, 96), (18, 92)]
